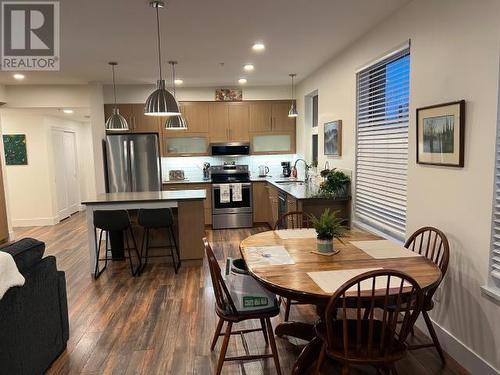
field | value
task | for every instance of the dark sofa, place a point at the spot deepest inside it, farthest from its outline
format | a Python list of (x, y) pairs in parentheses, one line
[(34, 326)]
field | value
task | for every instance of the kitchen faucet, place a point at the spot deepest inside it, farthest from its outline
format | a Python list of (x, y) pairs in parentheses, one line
[(306, 176)]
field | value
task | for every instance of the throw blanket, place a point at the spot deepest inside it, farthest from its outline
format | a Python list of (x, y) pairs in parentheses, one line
[(9, 274)]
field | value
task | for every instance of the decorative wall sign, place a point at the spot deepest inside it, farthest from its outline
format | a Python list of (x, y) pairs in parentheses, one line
[(440, 134), (15, 149), (228, 95), (333, 138)]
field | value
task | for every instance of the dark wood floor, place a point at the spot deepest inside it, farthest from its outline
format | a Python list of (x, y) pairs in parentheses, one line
[(162, 323)]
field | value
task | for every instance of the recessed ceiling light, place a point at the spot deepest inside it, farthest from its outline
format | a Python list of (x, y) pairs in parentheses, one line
[(259, 47), (248, 67), (242, 81), (178, 81), (18, 76), (67, 111)]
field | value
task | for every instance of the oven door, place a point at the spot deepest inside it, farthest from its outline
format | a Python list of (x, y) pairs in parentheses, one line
[(245, 205)]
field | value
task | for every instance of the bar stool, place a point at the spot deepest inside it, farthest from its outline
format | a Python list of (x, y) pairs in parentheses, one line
[(158, 218), (108, 221)]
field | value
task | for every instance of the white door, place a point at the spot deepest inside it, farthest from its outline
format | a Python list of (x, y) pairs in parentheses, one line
[(65, 172)]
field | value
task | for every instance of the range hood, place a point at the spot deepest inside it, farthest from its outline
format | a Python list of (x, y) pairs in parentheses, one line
[(230, 149)]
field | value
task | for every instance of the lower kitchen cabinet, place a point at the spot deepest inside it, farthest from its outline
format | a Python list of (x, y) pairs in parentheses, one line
[(207, 203), (261, 207), (273, 205)]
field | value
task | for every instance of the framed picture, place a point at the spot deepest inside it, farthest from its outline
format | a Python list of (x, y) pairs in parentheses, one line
[(15, 149), (228, 95), (440, 134), (333, 138)]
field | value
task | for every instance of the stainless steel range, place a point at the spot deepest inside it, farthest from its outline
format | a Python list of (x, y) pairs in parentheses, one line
[(231, 196)]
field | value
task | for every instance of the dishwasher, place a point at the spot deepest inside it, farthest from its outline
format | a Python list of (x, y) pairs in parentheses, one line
[(282, 209)]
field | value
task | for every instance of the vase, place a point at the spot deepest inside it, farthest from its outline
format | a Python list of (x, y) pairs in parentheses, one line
[(325, 246)]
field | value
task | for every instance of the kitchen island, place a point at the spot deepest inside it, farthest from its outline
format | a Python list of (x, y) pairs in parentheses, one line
[(187, 206)]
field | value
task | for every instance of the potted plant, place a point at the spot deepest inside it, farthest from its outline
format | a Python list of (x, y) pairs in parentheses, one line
[(328, 226), (336, 184)]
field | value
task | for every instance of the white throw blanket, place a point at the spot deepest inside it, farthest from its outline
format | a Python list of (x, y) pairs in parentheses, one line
[(236, 188), (225, 193), (9, 274)]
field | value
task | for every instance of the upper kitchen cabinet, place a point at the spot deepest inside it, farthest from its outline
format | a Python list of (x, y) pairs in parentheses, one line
[(261, 119), (280, 120), (239, 122), (218, 122), (145, 124), (196, 116)]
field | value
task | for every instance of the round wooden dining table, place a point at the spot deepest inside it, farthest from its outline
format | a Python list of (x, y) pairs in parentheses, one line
[(292, 280)]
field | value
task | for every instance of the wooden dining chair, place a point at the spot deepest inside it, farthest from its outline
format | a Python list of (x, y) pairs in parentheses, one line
[(227, 313), (291, 220), (432, 244), (375, 341)]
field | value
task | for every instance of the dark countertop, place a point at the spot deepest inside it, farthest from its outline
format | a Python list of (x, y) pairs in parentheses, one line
[(147, 196), (296, 189)]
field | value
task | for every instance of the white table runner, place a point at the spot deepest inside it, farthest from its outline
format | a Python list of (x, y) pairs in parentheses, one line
[(268, 256), (384, 249)]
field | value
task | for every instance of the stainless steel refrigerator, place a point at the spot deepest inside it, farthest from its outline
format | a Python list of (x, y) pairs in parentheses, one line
[(133, 162)]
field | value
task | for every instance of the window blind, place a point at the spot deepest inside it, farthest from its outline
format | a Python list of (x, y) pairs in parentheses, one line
[(495, 240), (382, 144)]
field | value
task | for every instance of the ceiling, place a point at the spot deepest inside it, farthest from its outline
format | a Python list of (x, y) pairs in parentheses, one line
[(300, 35)]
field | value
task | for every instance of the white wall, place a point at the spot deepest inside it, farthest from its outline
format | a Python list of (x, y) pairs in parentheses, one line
[(454, 55), (139, 93), (31, 188)]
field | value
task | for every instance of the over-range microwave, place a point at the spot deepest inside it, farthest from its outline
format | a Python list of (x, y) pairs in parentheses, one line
[(230, 149)]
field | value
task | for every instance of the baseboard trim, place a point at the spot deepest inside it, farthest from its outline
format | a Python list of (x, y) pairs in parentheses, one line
[(36, 222), (460, 352)]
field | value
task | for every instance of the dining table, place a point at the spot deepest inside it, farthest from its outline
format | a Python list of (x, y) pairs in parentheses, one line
[(292, 276)]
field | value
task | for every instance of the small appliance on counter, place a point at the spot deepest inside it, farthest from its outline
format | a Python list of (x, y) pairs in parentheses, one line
[(263, 170), (287, 170), (206, 171), (176, 175)]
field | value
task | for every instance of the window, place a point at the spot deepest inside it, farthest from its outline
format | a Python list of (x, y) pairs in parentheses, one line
[(315, 147), (315, 111), (382, 144)]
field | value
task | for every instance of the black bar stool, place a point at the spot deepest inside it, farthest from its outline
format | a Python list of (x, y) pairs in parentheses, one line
[(158, 218), (108, 221)]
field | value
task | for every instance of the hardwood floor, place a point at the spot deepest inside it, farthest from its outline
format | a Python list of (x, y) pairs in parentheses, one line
[(162, 323)]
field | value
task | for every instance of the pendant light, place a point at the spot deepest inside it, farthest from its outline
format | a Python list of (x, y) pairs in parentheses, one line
[(293, 109), (175, 122), (115, 122), (160, 102)]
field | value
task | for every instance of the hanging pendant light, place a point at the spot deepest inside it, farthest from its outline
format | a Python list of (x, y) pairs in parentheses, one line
[(115, 122), (160, 102), (175, 122), (293, 109)]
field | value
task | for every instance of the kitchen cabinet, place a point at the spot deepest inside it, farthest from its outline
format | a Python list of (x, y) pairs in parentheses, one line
[(145, 124), (184, 144), (261, 207), (207, 203), (273, 205), (261, 116), (273, 143), (196, 116), (280, 120), (229, 122)]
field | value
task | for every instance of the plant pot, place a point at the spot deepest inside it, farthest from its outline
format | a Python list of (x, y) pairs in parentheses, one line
[(325, 246)]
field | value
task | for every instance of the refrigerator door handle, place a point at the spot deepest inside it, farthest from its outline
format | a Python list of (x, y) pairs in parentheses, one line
[(132, 166), (127, 164)]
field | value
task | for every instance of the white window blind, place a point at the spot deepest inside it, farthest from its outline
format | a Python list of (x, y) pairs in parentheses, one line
[(495, 241), (382, 144)]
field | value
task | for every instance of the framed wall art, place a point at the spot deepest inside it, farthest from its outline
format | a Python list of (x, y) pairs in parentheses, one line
[(333, 138), (15, 149), (228, 95), (441, 134)]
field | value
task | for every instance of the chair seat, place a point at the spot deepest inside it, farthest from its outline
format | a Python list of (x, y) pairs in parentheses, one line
[(155, 218), (337, 351), (269, 312)]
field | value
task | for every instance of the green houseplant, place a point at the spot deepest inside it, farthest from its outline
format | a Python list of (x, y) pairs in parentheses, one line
[(336, 184), (328, 226)]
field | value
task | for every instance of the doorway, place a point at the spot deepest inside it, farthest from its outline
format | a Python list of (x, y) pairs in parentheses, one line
[(65, 172)]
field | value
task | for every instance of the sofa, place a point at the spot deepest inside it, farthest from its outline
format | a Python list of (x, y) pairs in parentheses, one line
[(34, 327)]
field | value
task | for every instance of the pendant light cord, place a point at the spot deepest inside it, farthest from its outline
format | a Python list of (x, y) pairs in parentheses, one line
[(159, 40), (114, 84)]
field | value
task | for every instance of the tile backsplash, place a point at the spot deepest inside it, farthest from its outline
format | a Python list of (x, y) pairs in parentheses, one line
[(193, 166)]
